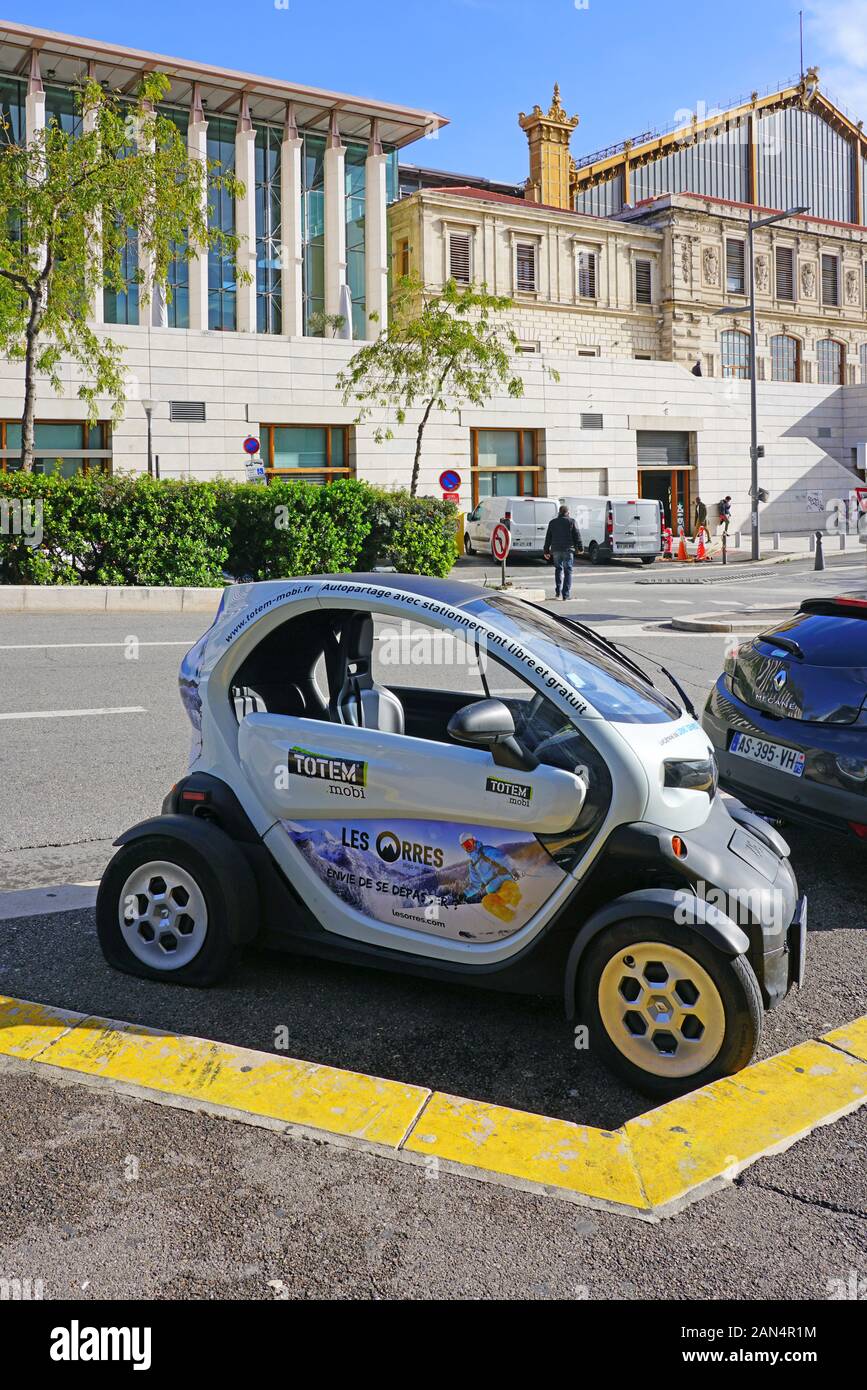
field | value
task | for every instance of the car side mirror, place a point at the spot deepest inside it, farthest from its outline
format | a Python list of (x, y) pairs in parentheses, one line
[(490, 723)]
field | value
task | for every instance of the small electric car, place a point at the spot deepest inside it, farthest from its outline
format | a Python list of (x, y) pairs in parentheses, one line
[(788, 717), (430, 776)]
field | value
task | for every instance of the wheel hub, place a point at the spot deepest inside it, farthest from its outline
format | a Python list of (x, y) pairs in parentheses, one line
[(661, 1009), (163, 915)]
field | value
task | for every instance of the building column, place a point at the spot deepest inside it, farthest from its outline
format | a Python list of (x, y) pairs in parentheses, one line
[(335, 217), (34, 102), (375, 235), (291, 269), (245, 217), (197, 148)]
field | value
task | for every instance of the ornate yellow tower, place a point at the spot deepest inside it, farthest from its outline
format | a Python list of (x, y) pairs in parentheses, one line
[(551, 164)]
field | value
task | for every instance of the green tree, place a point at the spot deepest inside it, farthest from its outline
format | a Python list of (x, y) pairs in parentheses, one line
[(441, 351), (72, 210)]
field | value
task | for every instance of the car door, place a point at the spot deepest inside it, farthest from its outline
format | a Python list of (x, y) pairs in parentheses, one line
[(390, 835)]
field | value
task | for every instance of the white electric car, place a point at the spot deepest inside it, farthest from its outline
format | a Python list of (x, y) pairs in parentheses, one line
[(430, 776)]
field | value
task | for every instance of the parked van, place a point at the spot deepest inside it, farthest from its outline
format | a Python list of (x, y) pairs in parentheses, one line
[(612, 528), (530, 517)]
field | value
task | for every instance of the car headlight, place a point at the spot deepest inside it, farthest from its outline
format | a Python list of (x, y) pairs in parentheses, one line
[(856, 768), (691, 774)]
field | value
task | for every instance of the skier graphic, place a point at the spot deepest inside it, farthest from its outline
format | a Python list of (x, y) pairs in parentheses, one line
[(491, 878)]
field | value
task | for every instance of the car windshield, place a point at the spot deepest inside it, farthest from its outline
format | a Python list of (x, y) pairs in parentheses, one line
[(611, 688)]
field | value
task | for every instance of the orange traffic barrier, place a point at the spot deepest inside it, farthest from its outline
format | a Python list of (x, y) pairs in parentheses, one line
[(681, 549), (701, 552)]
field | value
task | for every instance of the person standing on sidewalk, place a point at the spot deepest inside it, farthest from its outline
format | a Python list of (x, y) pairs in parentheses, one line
[(562, 543), (700, 517)]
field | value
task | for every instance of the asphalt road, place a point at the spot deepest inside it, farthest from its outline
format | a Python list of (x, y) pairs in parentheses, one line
[(221, 1210)]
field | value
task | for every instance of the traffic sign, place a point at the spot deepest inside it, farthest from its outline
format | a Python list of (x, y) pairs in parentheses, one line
[(450, 481), (251, 444), (451, 497), (501, 541)]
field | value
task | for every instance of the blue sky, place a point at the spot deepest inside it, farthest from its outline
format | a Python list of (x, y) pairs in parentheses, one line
[(624, 66)]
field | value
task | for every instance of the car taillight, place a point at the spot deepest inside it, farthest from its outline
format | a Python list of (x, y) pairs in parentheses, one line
[(609, 520), (858, 829)]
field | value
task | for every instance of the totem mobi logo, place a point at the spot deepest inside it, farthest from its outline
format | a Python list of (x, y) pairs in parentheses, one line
[(518, 793), (304, 763)]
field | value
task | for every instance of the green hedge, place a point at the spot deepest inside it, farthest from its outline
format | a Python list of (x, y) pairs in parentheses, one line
[(138, 530)]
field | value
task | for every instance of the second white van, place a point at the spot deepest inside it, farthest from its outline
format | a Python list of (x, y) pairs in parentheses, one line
[(614, 529)]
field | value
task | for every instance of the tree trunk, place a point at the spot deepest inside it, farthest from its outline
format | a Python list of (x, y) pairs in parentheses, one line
[(28, 427), (413, 487)]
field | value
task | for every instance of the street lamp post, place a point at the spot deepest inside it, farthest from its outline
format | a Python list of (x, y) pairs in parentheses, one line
[(755, 453), (148, 408)]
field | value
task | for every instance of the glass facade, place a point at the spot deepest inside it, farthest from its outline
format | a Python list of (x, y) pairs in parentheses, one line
[(11, 111), (269, 298), (178, 306), (59, 439), (313, 453), (355, 259), (62, 108), (121, 305), (313, 229), (222, 288)]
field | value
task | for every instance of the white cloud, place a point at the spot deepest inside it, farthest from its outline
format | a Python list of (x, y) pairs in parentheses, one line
[(836, 38)]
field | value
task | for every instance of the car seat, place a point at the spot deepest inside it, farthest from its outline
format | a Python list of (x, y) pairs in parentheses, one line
[(360, 701)]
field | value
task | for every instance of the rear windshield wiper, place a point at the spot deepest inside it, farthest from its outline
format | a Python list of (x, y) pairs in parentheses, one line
[(788, 644)]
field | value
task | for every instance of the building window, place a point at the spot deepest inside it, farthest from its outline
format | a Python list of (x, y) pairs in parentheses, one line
[(784, 259), (587, 275), (735, 353), (12, 108), (222, 289), (830, 280), (178, 278), (63, 109), (313, 233), (525, 267), (269, 234), (504, 463), (643, 282), (459, 257), (643, 356), (528, 349), (785, 358), (402, 257), (61, 447), (735, 252), (831, 359), (356, 156), (862, 353), (588, 352), (306, 453), (121, 305)]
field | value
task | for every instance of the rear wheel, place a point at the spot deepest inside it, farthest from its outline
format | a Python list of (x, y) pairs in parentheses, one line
[(468, 545), (594, 554), (648, 559), (164, 912), (667, 1011)]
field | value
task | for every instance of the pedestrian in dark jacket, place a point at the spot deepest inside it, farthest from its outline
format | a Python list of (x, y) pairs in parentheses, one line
[(562, 541)]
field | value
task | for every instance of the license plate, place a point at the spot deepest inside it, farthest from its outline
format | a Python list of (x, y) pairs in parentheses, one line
[(626, 545), (775, 755)]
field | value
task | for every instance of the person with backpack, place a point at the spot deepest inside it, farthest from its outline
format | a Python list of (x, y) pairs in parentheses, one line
[(725, 514), (562, 543)]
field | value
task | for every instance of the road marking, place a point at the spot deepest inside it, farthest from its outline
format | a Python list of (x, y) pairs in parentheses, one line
[(648, 1168), (73, 713), (65, 646), (37, 902), (677, 602)]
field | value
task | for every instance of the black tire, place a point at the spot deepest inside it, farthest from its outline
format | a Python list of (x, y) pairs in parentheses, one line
[(735, 981), (594, 554), (648, 559), (222, 899), (468, 545)]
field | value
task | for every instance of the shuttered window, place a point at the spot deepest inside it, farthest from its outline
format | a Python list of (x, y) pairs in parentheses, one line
[(525, 266), (830, 280), (830, 356), (735, 250), (663, 447), (587, 274), (785, 358), (785, 263), (642, 282), (459, 257)]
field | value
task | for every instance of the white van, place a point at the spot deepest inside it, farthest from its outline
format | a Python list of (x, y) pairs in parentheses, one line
[(530, 517), (612, 528)]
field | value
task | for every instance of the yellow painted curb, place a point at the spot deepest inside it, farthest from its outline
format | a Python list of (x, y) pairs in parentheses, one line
[(648, 1168)]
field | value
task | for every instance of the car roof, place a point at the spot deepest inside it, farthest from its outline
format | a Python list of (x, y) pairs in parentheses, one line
[(451, 591)]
